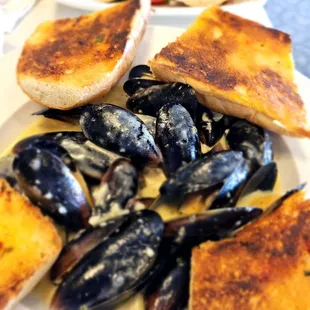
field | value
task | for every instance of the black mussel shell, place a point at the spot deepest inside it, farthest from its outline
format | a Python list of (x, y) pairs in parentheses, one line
[(140, 71), (111, 272), (70, 116), (278, 203), (150, 123), (211, 125), (50, 184), (205, 173), (132, 86), (229, 193), (169, 291), (78, 247), (120, 131), (264, 179), (6, 171), (177, 137), (252, 141), (213, 225), (149, 101), (118, 186), (90, 159)]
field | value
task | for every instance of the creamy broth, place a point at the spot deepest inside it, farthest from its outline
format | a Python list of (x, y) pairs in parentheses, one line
[(152, 180)]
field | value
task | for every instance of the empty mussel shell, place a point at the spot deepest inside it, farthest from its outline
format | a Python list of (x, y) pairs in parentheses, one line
[(140, 71), (149, 101), (120, 131), (118, 186), (252, 141), (177, 137), (191, 230), (264, 179), (111, 272), (205, 173), (90, 159), (132, 86), (78, 247), (169, 291), (51, 185)]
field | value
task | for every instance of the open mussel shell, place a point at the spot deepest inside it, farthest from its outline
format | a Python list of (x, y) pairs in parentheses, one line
[(149, 101), (230, 192), (132, 86), (140, 71), (78, 247), (205, 173), (6, 171), (177, 137), (264, 179), (211, 125), (90, 159), (169, 291), (70, 116), (111, 272), (118, 186), (252, 141), (51, 185), (120, 131), (191, 230)]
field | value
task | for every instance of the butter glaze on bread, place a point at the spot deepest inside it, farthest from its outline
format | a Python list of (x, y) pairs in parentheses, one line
[(66, 63), (239, 68)]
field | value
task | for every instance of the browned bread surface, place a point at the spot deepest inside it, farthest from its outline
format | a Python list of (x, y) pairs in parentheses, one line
[(67, 62), (237, 67), (29, 245), (266, 266)]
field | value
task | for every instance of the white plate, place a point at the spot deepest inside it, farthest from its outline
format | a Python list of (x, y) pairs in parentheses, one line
[(95, 5), (292, 155)]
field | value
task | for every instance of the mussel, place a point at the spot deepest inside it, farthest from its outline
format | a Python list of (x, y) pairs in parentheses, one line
[(78, 247), (118, 186), (211, 125), (177, 137), (140, 71), (112, 271), (120, 131), (51, 185), (70, 116), (170, 290), (252, 141), (90, 159), (149, 101), (213, 225), (132, 86), (205, 173)]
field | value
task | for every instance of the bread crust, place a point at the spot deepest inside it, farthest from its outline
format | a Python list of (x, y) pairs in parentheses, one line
[(237, 67), (67, 63)]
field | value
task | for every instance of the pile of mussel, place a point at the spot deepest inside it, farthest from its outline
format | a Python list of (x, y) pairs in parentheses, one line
[(121, 245)]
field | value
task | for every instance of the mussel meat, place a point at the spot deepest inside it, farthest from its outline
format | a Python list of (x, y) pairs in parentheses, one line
[(149, 101), (206, 173), (51, 185), (112, 271), (120, 131), (177, 137)]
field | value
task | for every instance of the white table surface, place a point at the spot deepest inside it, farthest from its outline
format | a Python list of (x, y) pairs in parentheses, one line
[(49, 10)]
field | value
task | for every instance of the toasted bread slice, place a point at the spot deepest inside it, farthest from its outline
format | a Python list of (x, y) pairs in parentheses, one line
[(266, 266), (29, 245), (66, 63), (239, 68)]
